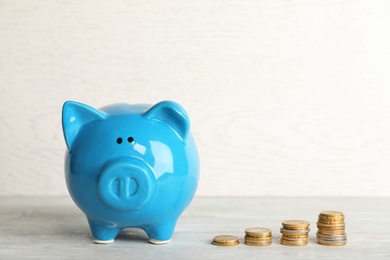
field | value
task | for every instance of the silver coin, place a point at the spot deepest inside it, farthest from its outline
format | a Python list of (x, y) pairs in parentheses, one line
[(332, 237), (331, 242)]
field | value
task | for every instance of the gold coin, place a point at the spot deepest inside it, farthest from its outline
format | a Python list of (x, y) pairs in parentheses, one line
[(295, 239), (331, 232), (331, 227), (293, 232), (334, 217), (296, 236), (295, 224), (330, 222), (259, 239), (331, 214), (330, 219), (250, 243), (258, 232), (290, 243), (225, 240)]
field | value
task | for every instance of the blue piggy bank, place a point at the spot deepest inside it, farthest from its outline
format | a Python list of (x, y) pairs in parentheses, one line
[(130, 166)]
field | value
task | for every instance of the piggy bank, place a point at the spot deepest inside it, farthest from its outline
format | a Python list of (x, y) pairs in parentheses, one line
[(130, 166)]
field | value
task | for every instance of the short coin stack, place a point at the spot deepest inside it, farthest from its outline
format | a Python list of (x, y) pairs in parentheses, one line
[(331, 228), (225, 240), (257, 236), (295, 233)]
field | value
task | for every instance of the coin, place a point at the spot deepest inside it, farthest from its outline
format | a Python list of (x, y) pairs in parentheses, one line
[(331, 232), (293, 243), (329, 216), (258, 232), (330, 221), (293, 232), (296, 236), (324, 215), (225, 240), (331, 227), (260, 239), (295, 224), (333, 224), (250, 243), (327, 243), (331, 238)]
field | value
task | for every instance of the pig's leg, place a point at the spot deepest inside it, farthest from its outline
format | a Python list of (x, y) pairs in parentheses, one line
[(102, 233), (161, 234)]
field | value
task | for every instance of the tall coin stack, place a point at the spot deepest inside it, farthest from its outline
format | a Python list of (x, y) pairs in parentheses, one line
[(258, 236), (331, 228), (295, 233)]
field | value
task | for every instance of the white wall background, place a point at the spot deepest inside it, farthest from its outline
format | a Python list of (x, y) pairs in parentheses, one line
[(286, 98)]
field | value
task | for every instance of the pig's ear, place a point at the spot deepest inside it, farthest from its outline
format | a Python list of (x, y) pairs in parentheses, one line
[(173, 115), (74, 116)]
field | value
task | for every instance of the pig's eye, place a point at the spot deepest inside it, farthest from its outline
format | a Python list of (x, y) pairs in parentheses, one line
[(119, 140), (130, 139)]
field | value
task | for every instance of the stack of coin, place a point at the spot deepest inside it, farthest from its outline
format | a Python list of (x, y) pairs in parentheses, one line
[(295, 233), (225, 240), (258, 236), (331, 228)]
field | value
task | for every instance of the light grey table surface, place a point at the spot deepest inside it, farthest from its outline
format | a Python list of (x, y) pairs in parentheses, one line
[(54, 228)]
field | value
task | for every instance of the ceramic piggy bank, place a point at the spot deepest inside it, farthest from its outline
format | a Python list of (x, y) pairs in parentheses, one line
[(130, 166)]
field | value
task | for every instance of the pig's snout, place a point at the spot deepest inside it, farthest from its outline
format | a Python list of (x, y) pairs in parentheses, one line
[(126, 184)]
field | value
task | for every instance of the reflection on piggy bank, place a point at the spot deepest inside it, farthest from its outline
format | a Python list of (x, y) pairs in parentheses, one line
[(130, 166)]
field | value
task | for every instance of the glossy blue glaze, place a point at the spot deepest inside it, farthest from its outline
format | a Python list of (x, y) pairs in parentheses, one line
[(130, 166)]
